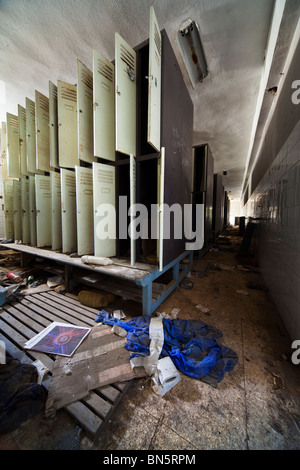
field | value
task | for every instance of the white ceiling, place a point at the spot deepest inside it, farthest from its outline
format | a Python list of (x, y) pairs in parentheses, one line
[(41, 41)]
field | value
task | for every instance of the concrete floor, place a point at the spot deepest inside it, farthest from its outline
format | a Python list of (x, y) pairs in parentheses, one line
[(256, 406)]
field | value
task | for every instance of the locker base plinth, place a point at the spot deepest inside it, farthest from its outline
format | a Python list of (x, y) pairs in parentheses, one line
[(142, 282)]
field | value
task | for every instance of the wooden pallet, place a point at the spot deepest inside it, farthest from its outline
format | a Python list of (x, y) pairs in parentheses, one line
[(22, 320)]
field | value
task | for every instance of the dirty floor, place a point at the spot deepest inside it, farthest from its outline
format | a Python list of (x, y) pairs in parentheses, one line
[(255, 407)]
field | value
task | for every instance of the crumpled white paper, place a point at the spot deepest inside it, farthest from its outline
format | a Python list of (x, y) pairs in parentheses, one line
[(163, 372)]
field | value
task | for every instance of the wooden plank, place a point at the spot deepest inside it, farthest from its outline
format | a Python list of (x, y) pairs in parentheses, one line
[(100, 360), (129, 273), (19, 339), (109, 392), (38, 307), (11, 309), (98, 404), (87, 419), (65, 313), (77, 307), (72, 299), (21, 321)]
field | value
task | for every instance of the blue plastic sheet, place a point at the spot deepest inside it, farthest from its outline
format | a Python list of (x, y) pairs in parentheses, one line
[(193, 346)]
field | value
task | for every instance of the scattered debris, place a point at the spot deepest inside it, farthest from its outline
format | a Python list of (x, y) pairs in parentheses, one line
[(55, 281), (277, 382), (203, 309), (96, 260), (119, 314), (95, 299), (41, 369), (186, 284), (243, 292)]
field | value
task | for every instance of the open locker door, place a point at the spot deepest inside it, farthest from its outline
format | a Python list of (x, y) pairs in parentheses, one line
[(5, 176), (22, 140), (56, 230), (12, 135), (104, 107), (25, 210), (53, 125), (67, 125), (132, 203), (42, 132), (104, 192), (43, 210), (85, 113), (154, 90), (160, 201), (30, 138), (32, 210), (17, 210), (125, 87), (8, 194), (84, 208), (68, 208)]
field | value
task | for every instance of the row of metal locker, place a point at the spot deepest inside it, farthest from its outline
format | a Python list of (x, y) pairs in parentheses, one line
[(92, 119), (58, 210), (59, 152)]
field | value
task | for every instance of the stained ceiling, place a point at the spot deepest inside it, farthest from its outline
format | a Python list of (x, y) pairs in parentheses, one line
[(42, 40)]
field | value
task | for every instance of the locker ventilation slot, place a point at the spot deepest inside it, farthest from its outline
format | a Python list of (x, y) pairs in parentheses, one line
[(157, 39), (44, 104), (32, 109), (127, 57), (70, 181), (105, 70), (23, 116), (69, 94), (105, 176), (13, 122), (87, 79), (44, 185), (86, 179)]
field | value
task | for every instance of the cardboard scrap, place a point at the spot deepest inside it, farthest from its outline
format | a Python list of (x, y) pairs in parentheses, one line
[(100, 360)]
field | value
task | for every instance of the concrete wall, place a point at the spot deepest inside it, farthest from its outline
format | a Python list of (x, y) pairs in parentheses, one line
[(275, 204)]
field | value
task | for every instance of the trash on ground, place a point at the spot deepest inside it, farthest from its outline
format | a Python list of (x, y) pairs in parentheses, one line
[(241, 291), (55, 281), (21, 397), (119, 314), (202, 308), (96, 260), (41, 369), (187, 284), (7, 294), (95, 299), (58, 338), (171, 315), (277, 381), (193, 346)]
